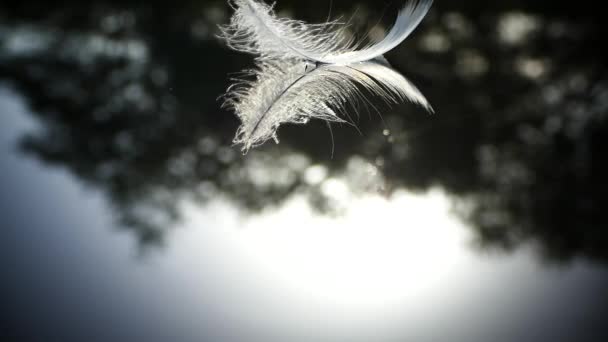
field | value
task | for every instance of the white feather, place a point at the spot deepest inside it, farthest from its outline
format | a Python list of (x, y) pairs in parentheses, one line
[(395, 83), (254, 28), (408, 19), (310, 71), (284, 92)]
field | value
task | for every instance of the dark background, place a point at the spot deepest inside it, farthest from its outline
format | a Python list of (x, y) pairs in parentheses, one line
[(122, 97)]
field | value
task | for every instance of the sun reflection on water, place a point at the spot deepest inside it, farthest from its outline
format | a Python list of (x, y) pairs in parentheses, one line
[(378, 253)]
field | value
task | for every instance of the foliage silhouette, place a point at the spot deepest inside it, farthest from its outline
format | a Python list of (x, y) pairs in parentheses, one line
[(126, 95)]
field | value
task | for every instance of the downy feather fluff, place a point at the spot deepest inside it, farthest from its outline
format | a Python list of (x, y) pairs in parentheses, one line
[(255, 29), (284, 92), (310, 71)]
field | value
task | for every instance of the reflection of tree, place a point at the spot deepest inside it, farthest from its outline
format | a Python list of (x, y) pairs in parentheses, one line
[(127, 96)]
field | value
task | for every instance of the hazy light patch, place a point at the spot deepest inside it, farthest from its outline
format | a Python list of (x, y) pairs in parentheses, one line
[(458, 25), (515, 28), (114, 22), (81, 47), (532, 68), (25, 41), (336, 189), (315, 174), (363, 177), (471, 64), (436, 42), (380, 252), (88, 47)]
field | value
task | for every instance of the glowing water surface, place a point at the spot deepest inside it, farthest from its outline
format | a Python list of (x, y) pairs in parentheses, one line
[(387, 269)]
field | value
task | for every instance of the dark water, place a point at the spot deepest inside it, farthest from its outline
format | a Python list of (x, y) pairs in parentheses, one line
[(127, 215)]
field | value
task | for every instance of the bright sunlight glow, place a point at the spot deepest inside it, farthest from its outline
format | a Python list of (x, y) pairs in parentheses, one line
[(380, 252)]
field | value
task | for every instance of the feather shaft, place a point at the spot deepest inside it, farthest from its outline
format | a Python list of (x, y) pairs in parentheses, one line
[(284, 93)]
